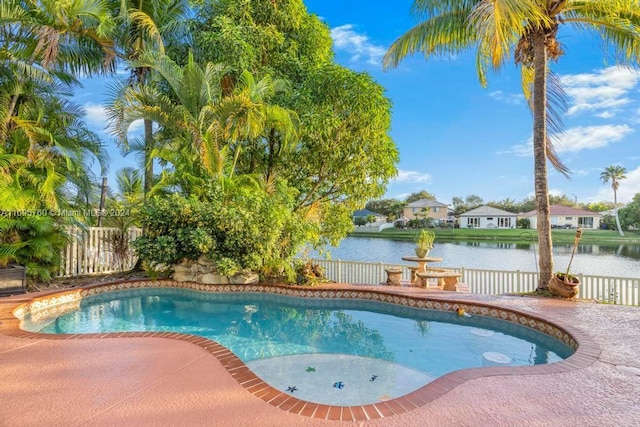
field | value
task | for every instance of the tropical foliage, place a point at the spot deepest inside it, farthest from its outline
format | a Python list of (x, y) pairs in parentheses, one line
[(630, 214), (245, 229), (45, 148), (528, 32), (259, 115), (143, 25)]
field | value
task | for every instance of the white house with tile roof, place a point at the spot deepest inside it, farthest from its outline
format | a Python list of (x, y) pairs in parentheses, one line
[(488, 217), (566, 217)]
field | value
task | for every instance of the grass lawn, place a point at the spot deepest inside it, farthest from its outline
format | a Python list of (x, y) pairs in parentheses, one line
[(511, 235)]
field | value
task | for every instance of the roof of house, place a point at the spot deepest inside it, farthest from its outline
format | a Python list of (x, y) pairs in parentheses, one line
[(487, 211), (426, 203), (559, 210), (366, 212)]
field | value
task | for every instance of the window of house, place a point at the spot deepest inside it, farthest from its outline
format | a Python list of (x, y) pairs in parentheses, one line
[(585, 222), (473, 222), (436, 209), (568, 218), (489, 219), (504, 222)]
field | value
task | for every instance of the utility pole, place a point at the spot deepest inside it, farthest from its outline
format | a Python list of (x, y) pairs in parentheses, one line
[(575, 200)]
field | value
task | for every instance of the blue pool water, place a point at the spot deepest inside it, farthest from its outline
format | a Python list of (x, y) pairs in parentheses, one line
[(313, 346)]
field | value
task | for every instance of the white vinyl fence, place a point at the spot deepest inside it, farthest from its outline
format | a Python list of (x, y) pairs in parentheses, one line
[(372, 228), (611, 290), (93, 251)]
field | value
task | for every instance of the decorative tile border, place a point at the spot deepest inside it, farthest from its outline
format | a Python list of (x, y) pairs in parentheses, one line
[(55, 303)]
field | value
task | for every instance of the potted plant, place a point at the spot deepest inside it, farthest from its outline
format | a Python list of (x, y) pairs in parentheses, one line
[(424, 243), (565, 284)]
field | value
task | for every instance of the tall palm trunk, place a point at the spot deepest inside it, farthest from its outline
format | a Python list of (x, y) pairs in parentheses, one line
[(148, 159), (615, 211), (540, 159)]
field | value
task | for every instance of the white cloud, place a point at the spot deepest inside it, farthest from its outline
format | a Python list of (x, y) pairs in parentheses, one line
[(412, 177), (628, 188), (591, 137), (357, 45), (95, 115), (509, 98), (137, 126), (578, 139), (603, 92)]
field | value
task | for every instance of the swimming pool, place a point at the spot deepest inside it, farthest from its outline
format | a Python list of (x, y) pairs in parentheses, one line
[(333, 351)]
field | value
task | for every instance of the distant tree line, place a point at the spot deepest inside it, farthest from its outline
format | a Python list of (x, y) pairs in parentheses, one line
[(629, 215)]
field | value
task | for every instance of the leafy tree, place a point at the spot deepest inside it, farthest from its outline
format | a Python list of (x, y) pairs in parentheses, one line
[(470, 202), (529, 30), (608, 221), (422, 194), (598, 206), (458, 206), (473, 201), (527, 205), (506, 205), (562, 200), (392, 208), (630, 214), (614, 174), (279, 38), (360, 220), (343, 155)]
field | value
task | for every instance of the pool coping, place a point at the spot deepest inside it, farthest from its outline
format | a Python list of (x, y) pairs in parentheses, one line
[(586, 353)]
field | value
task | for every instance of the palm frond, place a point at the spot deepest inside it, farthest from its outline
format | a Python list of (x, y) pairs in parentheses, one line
[(446, 34)]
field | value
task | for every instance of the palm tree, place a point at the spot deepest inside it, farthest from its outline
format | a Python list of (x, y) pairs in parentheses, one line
[(49, 41), (129, 182), (144, 25), (202, 129), (614, 174), (497, 29)]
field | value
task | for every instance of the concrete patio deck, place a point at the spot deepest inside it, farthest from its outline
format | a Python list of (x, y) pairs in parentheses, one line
[(162, 381)]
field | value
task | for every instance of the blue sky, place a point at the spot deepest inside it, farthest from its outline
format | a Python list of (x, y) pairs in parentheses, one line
[(456, 138)]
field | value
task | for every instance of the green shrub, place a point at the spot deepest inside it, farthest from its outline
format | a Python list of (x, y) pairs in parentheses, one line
[(33, 241), (238, 228)]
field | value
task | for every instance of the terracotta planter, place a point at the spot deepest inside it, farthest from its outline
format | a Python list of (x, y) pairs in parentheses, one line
[(564, 287)]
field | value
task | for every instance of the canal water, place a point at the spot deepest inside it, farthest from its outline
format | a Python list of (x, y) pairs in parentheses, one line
[(599, 260)]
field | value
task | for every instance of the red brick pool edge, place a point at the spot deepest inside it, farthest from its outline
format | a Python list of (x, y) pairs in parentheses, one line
[(586, 349)]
